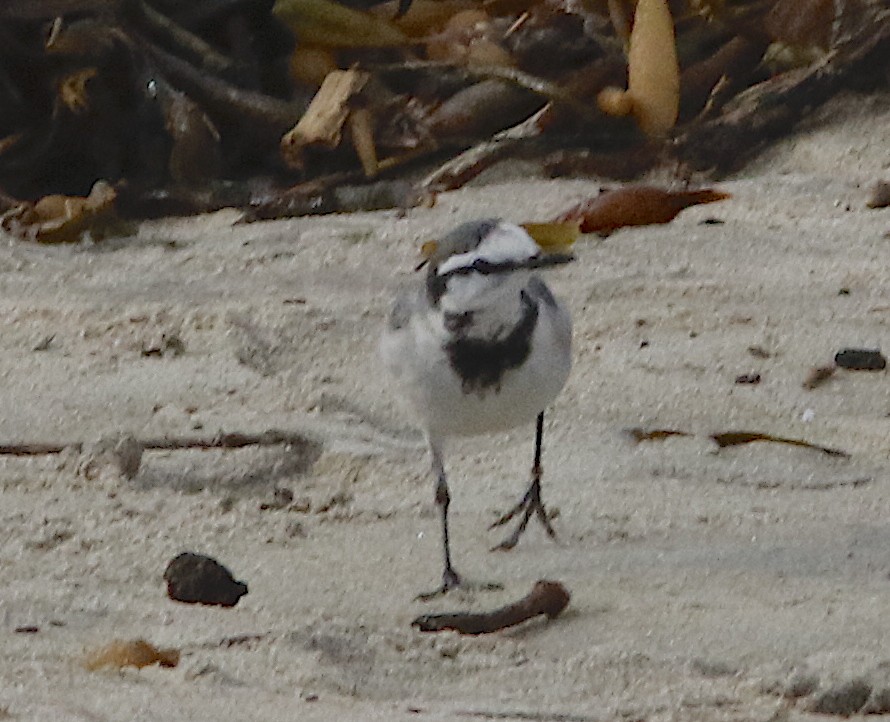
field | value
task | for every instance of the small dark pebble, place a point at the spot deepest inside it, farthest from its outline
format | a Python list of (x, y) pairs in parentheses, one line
[(198, 579), (748, 379), (842, 699), (859, 359), (758, 352), (241, 639), (711, 221), (28, 629)]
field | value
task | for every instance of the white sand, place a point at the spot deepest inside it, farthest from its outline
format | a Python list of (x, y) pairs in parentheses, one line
[(701, 582)]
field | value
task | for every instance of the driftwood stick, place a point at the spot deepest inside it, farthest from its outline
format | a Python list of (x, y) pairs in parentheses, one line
[(462, 168), (234, 440), (30, 449), (546, 597)]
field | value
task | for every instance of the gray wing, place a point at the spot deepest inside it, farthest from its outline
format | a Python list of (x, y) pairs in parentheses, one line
[(541, 293), (397, 342), (407, 303)]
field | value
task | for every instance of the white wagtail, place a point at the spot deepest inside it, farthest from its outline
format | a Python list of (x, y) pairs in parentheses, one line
[(480, 346)]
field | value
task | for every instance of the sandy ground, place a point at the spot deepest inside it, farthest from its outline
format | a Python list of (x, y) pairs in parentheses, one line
[(706, 584)]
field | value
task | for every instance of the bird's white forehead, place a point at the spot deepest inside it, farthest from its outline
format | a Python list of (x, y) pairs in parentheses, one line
[(505, 242)]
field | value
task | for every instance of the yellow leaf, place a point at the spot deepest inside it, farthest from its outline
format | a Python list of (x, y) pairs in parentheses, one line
[(652, 68), (328, 24), (555, 236)]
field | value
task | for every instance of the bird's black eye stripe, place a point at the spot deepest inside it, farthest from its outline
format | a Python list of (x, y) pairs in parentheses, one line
[(436, 283), (483, 267)]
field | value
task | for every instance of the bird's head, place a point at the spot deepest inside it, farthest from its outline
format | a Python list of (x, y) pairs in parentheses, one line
[(480, 260)]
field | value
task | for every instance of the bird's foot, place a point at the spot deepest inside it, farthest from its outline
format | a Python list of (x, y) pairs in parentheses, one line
[(529, 505), (452, 580)]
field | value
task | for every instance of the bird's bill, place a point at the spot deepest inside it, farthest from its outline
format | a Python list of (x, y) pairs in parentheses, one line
[(426, 252), (549, 260)]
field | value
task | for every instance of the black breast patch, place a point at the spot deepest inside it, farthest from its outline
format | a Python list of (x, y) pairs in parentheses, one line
[(481, 363)]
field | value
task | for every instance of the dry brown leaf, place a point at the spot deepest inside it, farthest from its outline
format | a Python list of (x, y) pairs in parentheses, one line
[(63, 219), (130, 653), (73, 90), (635, 206), (736, 438), (639, 434)]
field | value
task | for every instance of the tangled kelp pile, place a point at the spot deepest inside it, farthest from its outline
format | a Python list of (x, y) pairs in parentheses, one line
[(310, 106)]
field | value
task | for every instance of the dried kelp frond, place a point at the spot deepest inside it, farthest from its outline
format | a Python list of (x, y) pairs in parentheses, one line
[(185, 107)]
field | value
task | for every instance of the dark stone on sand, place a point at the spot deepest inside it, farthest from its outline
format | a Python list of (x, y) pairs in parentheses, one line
[(861, 359), (198, 579)]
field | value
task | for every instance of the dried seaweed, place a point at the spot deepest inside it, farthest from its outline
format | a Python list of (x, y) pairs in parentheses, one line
[(185, 107)]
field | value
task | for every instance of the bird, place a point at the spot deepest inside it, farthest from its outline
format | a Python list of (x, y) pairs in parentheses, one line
[(480, 345)]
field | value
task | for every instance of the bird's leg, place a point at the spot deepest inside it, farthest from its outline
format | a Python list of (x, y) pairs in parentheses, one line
[(450, 578), (531, 501)]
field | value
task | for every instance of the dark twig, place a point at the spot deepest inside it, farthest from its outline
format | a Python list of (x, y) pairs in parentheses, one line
[(766, 111), (528, 716), (234, 440), (546, 597), (264, 116), (462, 168), (194, 48), (736, 438)]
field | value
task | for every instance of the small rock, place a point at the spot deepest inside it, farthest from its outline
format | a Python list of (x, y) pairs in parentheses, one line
[(861, 359), (845, 698), (198, 579), (748, 379)]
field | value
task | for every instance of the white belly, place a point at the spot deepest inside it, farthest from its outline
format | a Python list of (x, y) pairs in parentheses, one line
[(441, 403)]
